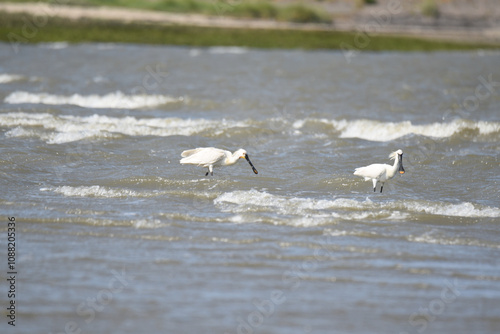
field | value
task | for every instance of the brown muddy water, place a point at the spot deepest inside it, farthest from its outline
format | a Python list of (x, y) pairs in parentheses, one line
[(113, 235)]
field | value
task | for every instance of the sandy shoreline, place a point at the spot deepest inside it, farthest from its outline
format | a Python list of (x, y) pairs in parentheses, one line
[(381, 19)]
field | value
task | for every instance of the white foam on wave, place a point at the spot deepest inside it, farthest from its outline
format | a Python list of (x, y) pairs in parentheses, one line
[(319, 211), (263, 200), (386, 131), (301, 211), (146, 223), (91, 191), (353, 233), (235, 50), (430, 237), (98, 191), (6, 78), (436, 238), (66, 128), (464, 209), (54, 45), (116, 100)]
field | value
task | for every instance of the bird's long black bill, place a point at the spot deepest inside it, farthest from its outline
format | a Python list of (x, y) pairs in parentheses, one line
[(253, 168), (401, 169)]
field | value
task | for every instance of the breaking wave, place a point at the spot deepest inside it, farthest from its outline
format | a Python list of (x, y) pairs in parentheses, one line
[(429, 237), (54, 45), (6, 78), (386, 131), (65, 128), (319, 211), (235, 50), (433, 237), (116, 100), (97, 191)]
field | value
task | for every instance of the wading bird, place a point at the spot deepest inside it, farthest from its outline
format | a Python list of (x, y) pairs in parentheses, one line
[(382, 172), (209, 157)]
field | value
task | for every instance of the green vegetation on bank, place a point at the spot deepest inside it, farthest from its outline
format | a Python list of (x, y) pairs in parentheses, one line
[(261, 9), (429, 8), (22, 28)]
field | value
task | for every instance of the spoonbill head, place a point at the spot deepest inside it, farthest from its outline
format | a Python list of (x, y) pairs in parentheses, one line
[(209, 157), (382, 172)]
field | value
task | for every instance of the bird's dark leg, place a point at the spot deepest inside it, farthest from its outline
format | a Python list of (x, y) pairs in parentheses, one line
[(381, 187), (206, 174), (374, 189), (211, 173)]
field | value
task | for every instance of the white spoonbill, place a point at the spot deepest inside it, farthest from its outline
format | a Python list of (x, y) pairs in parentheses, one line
[(382, 172), (209, 157)]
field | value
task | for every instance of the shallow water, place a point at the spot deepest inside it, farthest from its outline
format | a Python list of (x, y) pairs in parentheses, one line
[(115, 236)]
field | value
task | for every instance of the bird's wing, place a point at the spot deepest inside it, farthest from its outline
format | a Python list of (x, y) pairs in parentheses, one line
[(370, 172), (188, 153), (203, 156)]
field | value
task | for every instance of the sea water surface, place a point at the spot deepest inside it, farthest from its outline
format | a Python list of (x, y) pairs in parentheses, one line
[(113, 235)]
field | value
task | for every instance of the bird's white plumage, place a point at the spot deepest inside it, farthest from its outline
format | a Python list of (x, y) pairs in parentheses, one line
[(374, 171), (188, 153), (382, 172), (394, 154), (210, 156), (205, 156)]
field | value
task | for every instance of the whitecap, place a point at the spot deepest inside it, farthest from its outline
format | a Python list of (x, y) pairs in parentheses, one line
[(309, 212), (464, 209), (386, 131), (91, 191), (146, 223), (194, 52), (6, 78), (304, 212), (68, 128), (100, 191), (433, 237), (235, 50), (54, 45), (19, 131), (116, 100)]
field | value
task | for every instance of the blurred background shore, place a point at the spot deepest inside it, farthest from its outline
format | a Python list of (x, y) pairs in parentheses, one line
[(473, 23)]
